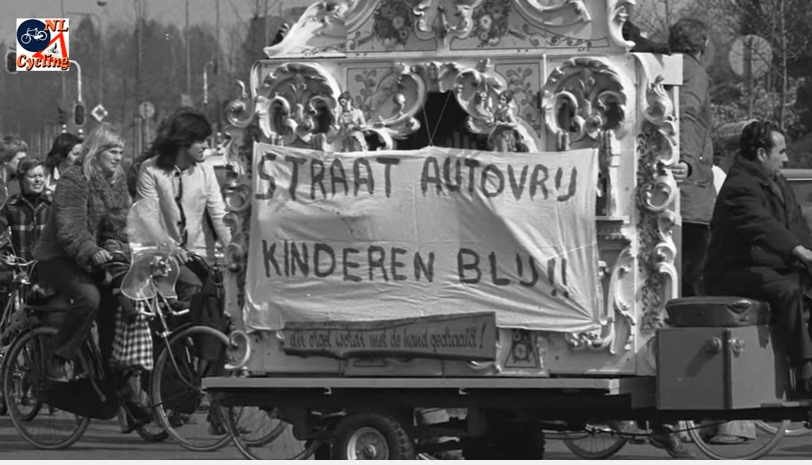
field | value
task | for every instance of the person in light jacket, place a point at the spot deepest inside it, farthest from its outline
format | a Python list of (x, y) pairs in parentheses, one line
[(187, 194)]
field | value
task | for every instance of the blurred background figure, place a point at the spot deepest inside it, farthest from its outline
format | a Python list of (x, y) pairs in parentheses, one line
[(12, 150), (65, 152)]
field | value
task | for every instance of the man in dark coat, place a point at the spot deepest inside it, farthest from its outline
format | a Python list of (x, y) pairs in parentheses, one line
[(761, 245)]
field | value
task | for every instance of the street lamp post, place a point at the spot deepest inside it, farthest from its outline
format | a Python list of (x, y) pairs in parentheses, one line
[(78, 88), (206, 82), (101, 50)]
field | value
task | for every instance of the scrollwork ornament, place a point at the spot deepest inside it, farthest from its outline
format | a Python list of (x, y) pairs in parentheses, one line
[(445, 19), (240, 111), (582, 98), (619, 12), (656, 221), (298, 102), (659, 111)]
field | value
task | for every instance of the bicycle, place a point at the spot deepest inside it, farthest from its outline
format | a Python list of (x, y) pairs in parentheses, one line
[(19, 287), (149, 280), (33, 34)]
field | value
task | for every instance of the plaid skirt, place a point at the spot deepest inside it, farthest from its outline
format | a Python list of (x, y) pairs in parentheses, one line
[(132, 342)]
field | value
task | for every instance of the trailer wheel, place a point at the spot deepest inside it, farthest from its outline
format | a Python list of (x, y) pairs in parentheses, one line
[(372, 436)]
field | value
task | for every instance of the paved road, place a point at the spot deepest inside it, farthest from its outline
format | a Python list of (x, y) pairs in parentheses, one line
[(103, 441)]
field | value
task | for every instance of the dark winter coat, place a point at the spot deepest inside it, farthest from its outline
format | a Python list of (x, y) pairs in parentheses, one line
[(697, 194), (79, 204), (756, 224)]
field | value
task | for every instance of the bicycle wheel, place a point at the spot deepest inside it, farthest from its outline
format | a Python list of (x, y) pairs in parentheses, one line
[(793, 429), (260, 435), (597, 442), (180, 404), (761, 445), (58, 429)]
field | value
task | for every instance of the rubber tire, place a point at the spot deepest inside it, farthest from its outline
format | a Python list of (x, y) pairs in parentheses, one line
[(693, 432), (19, 423), (792, 433), (400, 445), (155, 389), (33, 413)]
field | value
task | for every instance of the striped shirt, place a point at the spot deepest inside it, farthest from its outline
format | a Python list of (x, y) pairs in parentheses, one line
[(26, 220)]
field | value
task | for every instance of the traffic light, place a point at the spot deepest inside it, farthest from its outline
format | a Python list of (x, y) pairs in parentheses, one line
[(63, 117), (11, 61), (79, 114)]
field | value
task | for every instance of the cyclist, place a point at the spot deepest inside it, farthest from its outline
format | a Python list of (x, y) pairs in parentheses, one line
[(65, 151), (69, 252), (187, 194), (24, 214)]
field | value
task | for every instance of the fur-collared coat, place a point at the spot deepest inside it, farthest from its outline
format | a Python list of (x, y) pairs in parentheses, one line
[(79, 204)]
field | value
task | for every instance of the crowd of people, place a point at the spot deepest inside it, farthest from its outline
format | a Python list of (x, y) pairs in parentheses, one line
[(62, 211)]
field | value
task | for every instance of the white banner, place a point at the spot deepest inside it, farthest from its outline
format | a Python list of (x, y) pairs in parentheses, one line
[(389, 235)]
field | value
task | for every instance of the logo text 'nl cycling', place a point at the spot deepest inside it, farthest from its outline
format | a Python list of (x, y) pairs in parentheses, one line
[(42, 44)]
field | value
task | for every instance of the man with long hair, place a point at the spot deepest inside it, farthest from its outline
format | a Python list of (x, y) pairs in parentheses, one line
[(187, 193)]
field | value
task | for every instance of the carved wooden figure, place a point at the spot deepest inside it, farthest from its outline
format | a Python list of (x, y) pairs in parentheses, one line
[(504, 132), (351, 125)]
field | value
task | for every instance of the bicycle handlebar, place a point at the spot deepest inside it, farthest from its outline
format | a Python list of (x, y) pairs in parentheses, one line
[(13, 260)]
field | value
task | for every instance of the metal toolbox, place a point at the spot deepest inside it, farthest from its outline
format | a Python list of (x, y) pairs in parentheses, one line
[(720, 368)]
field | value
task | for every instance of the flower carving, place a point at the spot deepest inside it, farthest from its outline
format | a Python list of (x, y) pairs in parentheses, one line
[(491, 22), (393, 21)]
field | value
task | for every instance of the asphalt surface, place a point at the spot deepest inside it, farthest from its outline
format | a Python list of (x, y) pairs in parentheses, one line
[(103, 440)]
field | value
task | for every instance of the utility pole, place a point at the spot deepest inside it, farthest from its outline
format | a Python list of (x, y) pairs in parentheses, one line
[(188, 58), (781, 109), (137, 126), (217, 66), (101, 52)]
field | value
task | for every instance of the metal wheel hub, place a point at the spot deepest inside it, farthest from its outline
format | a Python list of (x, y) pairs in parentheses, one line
[(367, 444)]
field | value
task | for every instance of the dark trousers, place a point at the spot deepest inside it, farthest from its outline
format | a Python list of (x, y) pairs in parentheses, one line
[(695, 241), (83, 294), (187, 286), (789, 306)]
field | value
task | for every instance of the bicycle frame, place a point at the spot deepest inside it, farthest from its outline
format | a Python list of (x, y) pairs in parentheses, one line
[(19, 286)]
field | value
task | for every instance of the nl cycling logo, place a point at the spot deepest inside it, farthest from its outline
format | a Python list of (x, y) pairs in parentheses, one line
[(42, 44)]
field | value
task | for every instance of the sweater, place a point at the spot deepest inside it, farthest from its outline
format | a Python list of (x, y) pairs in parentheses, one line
[(79, 204)]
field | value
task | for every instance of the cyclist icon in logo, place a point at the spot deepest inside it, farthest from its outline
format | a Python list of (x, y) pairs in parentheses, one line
[(32, 36)]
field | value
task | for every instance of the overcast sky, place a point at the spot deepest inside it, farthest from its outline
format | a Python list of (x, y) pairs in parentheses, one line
[(167, 11)]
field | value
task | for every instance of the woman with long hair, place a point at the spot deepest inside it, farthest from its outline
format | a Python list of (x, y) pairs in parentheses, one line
[(69, 252), (65, 152)]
